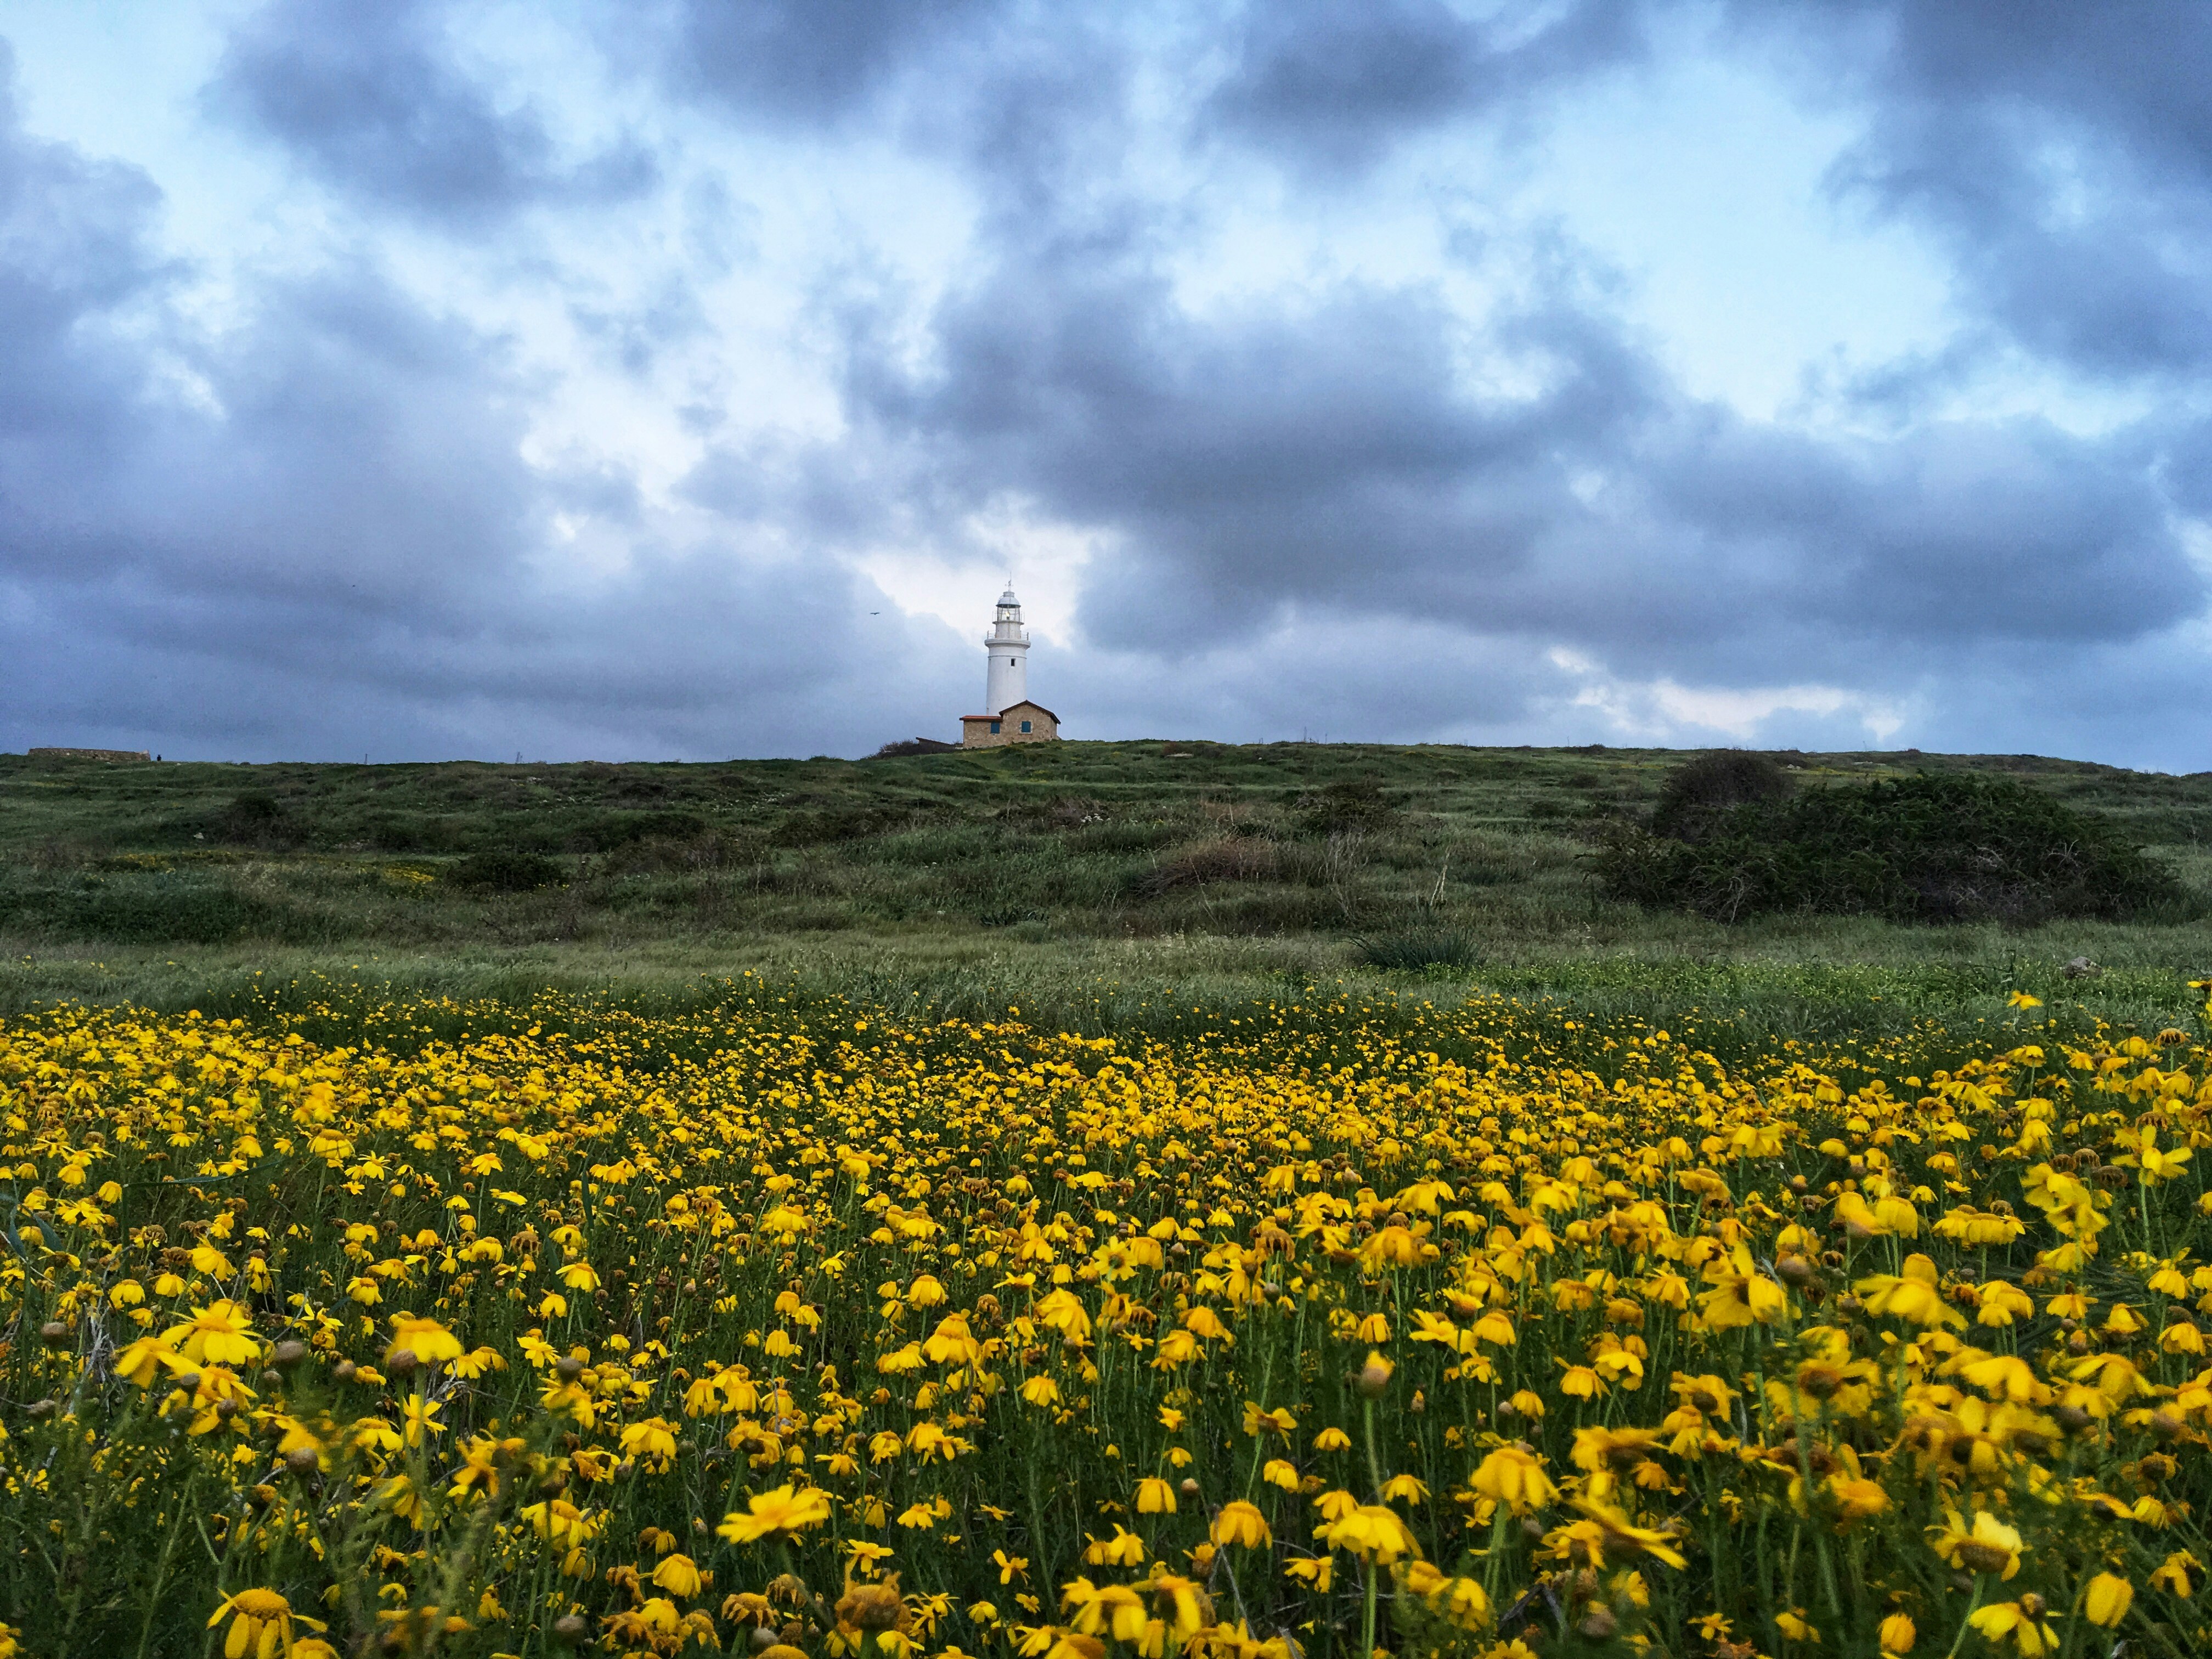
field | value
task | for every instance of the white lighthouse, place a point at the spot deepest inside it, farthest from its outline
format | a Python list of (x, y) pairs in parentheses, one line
[(1008, 714), (1007, 647)]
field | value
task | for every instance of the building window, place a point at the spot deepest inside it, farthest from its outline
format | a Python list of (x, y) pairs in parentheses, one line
[(994, 728), (1025, 726)]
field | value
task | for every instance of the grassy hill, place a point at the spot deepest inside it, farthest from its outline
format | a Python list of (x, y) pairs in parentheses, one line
[(1137, 864)]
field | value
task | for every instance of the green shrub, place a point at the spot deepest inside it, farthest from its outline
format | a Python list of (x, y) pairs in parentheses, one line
[(1413, 952), (610, 831), (1711, 784), (1354, 803), (256, 818), (157, 909), (507, 870), (1931, 848)]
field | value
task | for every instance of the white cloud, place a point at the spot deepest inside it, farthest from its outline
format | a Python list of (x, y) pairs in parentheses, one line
[(1664, 710)]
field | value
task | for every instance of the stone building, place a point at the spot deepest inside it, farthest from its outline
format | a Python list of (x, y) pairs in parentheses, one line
[(1018, 722)]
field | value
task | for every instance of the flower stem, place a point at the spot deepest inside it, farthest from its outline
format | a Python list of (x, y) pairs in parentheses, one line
[(1973, 1602)]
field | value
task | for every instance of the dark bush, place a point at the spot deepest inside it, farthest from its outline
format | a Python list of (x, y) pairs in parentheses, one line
[(1931, 848), (1225, 858), (1414, 952), (659, 855), (408, 832), (507, 870), (256, 818), (912, 746), (1713, 783), (163, 910), (820, 826), (610, 831), (1354, 803)]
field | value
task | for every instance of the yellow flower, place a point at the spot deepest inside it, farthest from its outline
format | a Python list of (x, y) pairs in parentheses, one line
[(779, 1513), (1332, 1439), (2172, 1573), (261, 1624), (1181, 1603), (1154, 1496), (426, 1339), (1912, 1295), (678, 1575), (559, 1522), (1514, 1477), (1898, 1634), (217, 1335), (2007, 1377), (2156, 1165), (2020, 1623), (1241, 1523), (1462, 1600), (1373, 1533), (1123, 1549), (1991, 1547), (2108, 1599), (1620, 1536), (1859, 1499), (1318, 1572), (144, 1360), (652, 1439), (1114, 1610)]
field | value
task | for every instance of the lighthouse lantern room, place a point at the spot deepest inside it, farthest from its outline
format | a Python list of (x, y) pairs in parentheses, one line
[(1008, 646)]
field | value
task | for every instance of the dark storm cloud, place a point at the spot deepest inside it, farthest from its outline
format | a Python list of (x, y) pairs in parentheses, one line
[(1326, 457), (804, 63), (1334, 504), (314, 535), (369, 100), (1332, 87), (2062, 152)]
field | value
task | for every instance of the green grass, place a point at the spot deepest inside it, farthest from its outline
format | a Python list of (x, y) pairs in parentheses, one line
[(1102, 884)]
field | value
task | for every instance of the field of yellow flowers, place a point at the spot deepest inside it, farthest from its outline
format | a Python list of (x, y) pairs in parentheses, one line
[(797, 1329)]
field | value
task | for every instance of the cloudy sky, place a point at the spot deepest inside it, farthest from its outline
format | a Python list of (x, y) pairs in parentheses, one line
[(661, 379)]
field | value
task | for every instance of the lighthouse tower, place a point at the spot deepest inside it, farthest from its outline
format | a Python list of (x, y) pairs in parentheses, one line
[(1007, 647), (1009, 716)]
